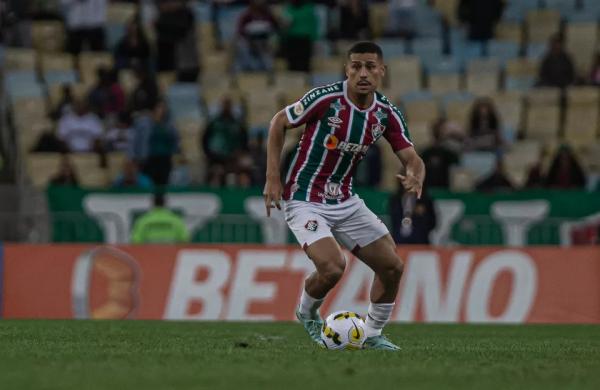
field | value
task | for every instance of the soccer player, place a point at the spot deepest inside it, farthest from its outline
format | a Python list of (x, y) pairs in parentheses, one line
[(342, 120)]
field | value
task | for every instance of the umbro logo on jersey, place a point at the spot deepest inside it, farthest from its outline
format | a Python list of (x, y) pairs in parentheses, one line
[(335, 122), (312, 225)]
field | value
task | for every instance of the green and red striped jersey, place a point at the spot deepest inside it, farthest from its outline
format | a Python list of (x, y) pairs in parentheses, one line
[(337, 136)]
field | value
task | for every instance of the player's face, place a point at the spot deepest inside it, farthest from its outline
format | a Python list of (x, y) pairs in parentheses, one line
[(364, 72)]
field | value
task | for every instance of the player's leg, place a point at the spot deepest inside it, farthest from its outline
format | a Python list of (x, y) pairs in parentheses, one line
[(381, 257), (370, 241)]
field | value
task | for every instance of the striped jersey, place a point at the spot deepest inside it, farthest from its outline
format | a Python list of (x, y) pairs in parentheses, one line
[(337, 136)]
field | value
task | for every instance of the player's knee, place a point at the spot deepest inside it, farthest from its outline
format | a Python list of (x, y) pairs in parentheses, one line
[(334, 271), (393, 271)]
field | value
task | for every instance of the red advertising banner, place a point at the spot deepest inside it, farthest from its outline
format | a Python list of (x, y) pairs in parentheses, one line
[(480, 285)]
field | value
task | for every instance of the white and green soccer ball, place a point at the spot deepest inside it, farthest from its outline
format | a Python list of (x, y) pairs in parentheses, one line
[(343, 330)]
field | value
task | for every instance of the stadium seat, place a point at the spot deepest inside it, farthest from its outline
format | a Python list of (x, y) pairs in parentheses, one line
[(89, 62), (262, 105), (28, 111), (328, 64), (467, 51), (248, 81), (581, 124), (47, 35), (22, 84), (503, 50), (519, 159), (581, 41), (482, 76), (324, 78), (536, 51), (120, 12), (421, 111), (457, 107), (56, 61), (55, 92), (509, 32), (481, 164), (41, 167), (19, 59), (404, 74), (184, 101), (543, 122), (165, 80), (447, 9), (60, 77), (427, 48), (420, 134), (284, 80), (509, 105), (378, 17), (461, 179), (428, 21), (115, 162), (521, 74), (542, 96), (583, 95), (217, 62), (392, 48), (90, 173), (541, 24)]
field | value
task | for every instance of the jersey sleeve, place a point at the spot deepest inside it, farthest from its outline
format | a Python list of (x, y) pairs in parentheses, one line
[(311, 105), (397, 133)]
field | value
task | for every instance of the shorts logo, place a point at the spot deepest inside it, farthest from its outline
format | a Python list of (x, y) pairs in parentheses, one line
[(312, 225), (377, 129), (298, 108)]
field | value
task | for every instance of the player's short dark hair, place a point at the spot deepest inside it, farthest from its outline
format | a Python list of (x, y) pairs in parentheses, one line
[(366, 47)]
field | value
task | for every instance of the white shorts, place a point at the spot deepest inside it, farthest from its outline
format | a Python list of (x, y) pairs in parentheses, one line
[(351, 222)]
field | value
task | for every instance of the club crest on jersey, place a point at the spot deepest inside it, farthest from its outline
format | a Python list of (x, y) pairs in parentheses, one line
[(377, 129), (334, 121), (311, 225), (337, 105), (298, 108)]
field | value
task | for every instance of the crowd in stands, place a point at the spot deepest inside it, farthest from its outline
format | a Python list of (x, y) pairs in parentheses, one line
[(140, 115)]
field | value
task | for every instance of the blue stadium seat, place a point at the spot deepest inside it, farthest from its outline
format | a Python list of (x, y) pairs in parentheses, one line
[(54, 77), (481, 163), (442, 65), (392, 48), (426, 47), (114, 33), (467, 51), (228, 18), (184, 101), (319, 79), (201, 11), (576, 16), (522, 83), (536, 51), (503, 50), (416, 96), (559, 4), (428, 22), (516, 10), (457, 96), (22, 84)]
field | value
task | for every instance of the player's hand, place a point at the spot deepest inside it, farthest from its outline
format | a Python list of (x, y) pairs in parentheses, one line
[(272, 194), (411, 184)]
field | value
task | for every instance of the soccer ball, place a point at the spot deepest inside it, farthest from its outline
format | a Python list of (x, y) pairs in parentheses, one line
[(343, 330)]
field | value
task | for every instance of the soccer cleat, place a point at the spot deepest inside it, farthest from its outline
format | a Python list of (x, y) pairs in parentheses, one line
[(380, 342), (312, 326)]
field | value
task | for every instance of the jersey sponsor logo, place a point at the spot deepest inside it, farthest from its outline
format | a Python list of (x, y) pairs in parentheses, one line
[(333, 143), (317, 92), (377, 129), (335, 122), (311, 225), (298, 108)]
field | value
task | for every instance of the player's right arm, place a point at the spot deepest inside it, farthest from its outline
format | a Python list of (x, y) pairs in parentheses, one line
[(273, 187)]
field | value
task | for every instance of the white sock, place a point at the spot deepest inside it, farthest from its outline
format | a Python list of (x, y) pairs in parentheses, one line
[(378, 316), (309, 305)]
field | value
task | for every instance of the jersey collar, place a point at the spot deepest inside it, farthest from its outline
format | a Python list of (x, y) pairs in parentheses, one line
[(352, 104)]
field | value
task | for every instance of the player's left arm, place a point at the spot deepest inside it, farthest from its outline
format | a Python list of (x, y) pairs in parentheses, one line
[(413, 179)]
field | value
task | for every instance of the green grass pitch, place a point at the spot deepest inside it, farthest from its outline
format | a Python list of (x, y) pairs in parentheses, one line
[(216, 355)]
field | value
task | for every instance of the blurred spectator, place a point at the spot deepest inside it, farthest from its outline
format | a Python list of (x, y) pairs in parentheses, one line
[(224, 138), (66, 175), (423, 218), (253, 43), (85, 22), (556, 69), (497, 180), (155, 142), (176, 39), (15, 23), (159, 225), (65, 104), (48, 142), (354, 19), (480, 17), (438, 159), (107, 97), (484, 126), (565, 171), (402, 18), (180, 174), (146, 93), (80, 130), (215, 176), (133, 49), (368, 172), (594, 76), (535, 176), (301, 30), (131, 177), (119, 137), (258, 154)]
